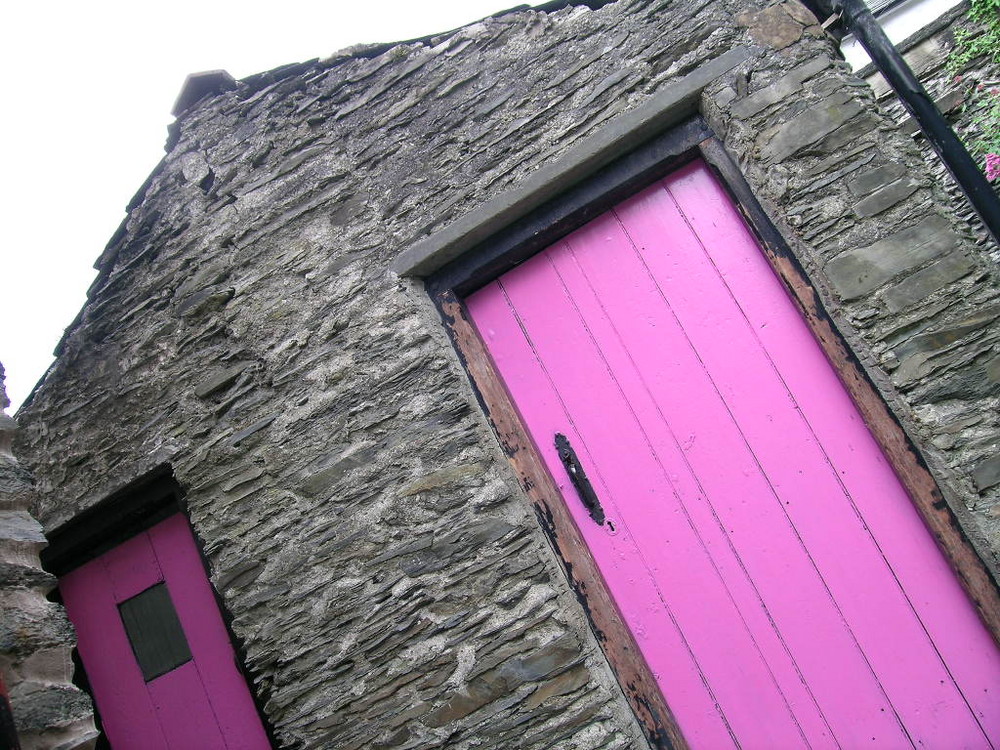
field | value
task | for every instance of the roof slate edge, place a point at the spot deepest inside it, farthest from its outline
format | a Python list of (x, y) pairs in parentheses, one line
[(624, 133), (377, 48), (199, 85), (220, 81)]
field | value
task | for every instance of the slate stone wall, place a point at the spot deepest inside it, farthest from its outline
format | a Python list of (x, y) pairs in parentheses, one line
[(36, 638), (359, 518), (927, 53)]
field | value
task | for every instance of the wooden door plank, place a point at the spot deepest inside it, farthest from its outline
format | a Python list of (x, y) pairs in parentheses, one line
[(198, 611), (719, 481), (131, 567), (889, 513), (184, 710), (862, 584), (127, 713)]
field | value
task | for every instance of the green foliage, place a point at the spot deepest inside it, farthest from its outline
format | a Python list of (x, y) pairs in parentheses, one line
[(971, 45), (982, 131), (982, 108)]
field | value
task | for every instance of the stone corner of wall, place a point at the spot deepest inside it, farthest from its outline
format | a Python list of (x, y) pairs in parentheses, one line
[(36, 638)]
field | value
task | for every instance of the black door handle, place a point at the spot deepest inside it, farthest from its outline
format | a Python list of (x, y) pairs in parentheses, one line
[(579, 478)]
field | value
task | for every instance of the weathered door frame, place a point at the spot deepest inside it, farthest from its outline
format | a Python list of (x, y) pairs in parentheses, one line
[(522, 238), (125, 513)]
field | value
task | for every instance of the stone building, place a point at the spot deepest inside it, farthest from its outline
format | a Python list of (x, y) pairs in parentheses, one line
[(297, 341)]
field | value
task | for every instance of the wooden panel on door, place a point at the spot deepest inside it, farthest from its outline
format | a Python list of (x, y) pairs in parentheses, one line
[(774, 572), (201, 701)]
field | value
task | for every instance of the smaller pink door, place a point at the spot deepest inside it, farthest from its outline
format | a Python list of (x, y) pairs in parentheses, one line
[(157, 654)]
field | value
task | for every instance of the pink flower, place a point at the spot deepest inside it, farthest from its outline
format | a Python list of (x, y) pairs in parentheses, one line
[(992, 166)]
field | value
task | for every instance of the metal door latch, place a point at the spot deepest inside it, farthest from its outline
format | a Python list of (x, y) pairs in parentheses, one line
[(579, 478)]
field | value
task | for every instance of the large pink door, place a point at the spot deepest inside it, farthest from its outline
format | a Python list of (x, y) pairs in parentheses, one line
[(776, 577), (156, 651)]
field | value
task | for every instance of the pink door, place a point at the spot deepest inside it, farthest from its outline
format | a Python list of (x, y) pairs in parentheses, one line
[(161, 667), (776, 577)]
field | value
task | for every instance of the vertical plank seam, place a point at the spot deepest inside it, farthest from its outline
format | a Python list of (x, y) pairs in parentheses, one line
[(828, 461), (715, 517), (666, 606), (795, 531)]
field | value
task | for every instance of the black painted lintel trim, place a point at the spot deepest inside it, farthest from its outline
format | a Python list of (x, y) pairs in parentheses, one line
[(124, 514)]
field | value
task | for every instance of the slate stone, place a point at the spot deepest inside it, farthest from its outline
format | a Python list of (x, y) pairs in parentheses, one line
[(872, 179), (479, 693), (885, 198), (38, 708), (857, 272), (966, 383), (240, 574), (567, 682), (992, 369), (253, 429), (781, 89), (219, 380), (809, 127), (15, 481), (987, 473), (327, 471), (726, 97), (204, 301), (773, 26), (22, 633), (441, 478), (19, 526), (539, 664), (947, 334), (914, 289), (25, 576)]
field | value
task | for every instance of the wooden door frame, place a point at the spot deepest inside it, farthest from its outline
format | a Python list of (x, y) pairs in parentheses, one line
[(117, 518), (556, 218)]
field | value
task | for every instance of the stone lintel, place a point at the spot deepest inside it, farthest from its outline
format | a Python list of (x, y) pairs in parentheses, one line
[(676, 102)]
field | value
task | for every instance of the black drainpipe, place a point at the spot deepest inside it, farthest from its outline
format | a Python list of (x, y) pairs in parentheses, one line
[(859, 21)]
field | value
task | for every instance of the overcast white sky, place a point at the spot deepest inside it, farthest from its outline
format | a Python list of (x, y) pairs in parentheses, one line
[(89, 87)]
